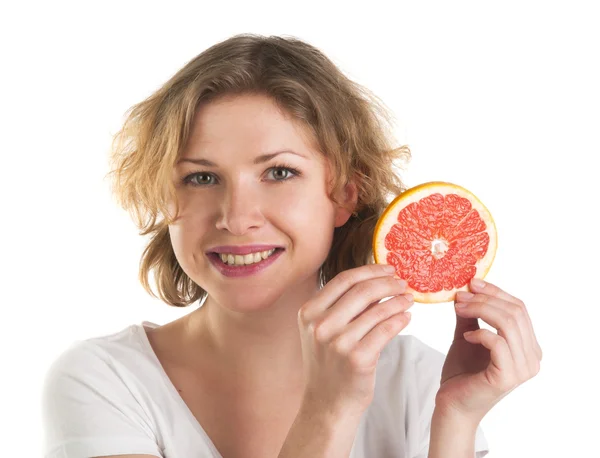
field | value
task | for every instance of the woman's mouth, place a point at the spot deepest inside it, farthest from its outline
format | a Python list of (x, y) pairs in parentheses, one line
[(245, 260), (232, 265)]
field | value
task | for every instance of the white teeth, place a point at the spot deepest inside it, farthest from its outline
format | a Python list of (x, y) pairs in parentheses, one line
[(239, 260)]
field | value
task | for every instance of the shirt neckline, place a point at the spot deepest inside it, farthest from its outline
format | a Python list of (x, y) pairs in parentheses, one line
[(170, 387)]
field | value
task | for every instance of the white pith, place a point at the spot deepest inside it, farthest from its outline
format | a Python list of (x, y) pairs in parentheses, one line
[(244, 260), (439, 247)]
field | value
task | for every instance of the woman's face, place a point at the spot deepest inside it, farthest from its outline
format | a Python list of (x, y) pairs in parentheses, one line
[(256, 181)]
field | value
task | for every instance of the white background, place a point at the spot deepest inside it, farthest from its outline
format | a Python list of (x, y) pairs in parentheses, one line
[(501, 98)]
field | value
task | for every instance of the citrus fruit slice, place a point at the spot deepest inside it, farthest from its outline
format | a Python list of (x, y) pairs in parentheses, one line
[(438, 236)]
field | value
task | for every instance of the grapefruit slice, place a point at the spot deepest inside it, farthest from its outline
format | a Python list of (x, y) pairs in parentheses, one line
[(438, 236)]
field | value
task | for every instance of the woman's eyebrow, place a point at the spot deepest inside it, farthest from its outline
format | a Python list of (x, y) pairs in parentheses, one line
[(259, 160)]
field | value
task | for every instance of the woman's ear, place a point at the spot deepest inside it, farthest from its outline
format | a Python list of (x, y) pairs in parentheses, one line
[(347, 199)]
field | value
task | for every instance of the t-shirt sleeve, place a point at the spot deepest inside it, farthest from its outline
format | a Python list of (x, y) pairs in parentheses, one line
[(428, 369), (89, 408)]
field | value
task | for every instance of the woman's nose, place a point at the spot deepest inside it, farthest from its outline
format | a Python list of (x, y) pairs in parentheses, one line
[(239, 211)]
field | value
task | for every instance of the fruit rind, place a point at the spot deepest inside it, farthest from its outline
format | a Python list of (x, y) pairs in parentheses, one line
[(389, 217)]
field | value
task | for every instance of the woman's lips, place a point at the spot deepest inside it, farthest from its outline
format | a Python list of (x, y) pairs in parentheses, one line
[(245, 270)]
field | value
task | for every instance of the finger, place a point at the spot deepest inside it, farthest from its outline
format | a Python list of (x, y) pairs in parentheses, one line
[(481, 286), (478, 285), (536, 344), (531, 347), (338, 286), (529, 365), (408, 297), (494, 312), (533, 352), (365, 322), (369, 307), (502, 368), (513, 307), (533, 342), (365, 354), (333, 320), (464, 324)]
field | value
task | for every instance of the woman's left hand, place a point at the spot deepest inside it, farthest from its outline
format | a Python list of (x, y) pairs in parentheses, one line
[(475, 377)]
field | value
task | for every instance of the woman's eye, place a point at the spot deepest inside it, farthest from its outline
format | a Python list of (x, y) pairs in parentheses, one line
[(203, 179), (278, 174)]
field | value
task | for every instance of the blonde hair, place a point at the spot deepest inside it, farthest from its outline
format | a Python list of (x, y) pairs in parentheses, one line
[(350, 126)]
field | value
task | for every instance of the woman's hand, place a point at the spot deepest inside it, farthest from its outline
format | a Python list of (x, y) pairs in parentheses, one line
[(481, 366), (343, 331)]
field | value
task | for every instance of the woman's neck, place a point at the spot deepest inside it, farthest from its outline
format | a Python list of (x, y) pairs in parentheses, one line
[(260, 350)]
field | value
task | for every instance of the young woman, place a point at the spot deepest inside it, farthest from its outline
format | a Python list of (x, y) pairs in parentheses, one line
[(259, 171)]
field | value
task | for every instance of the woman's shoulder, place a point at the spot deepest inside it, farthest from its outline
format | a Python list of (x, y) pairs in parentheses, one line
[(97, 389), (118, 354)]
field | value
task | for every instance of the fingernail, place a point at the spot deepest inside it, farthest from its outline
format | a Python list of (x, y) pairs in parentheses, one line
[(389, 268), (402, 281), (409, 297), (478, 283), (460, 305)]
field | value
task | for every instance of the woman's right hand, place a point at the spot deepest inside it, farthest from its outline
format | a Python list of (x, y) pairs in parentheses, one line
[(343, 331)]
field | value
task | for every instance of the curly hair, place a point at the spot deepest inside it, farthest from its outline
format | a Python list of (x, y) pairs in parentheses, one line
[(351, 127)]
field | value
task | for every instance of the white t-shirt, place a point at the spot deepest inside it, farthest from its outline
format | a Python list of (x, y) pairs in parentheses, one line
[(110, 395)]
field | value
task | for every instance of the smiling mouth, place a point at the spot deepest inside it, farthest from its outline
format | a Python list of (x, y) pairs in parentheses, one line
[(245, 260)]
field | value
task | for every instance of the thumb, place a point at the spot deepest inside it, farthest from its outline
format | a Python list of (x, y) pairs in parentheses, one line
[(463, 325)]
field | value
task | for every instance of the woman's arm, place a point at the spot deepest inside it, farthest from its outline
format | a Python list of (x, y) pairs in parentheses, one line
[(451, 437), (315, 434)]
